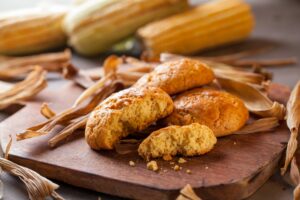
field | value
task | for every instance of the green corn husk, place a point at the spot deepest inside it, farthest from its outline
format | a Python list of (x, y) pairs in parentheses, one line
[(95, 26)]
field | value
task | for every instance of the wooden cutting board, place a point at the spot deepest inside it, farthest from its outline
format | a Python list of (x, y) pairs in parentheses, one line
[(234, 169)]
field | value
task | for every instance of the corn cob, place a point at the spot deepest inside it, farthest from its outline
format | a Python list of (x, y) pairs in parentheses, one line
[(209, 25), (31, 31), (95, 26)]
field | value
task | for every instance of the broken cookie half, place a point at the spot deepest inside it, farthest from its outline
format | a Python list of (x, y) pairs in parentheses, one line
[(189, 140)]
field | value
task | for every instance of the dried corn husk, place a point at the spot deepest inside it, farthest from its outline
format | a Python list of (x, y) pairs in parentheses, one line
[(91, 90), (70, 114), (72, 73), (295, 177), (37, 186), (46, 111), (237, 55), (222, 70), (106, 90), (67, 131), (110, 67), (16, 67), (31, 31), (242, 76), (260, 125), (111, 64), (187, 193), (95, 26), (134, 65), (75, 118), (293, 122), (256, 102), (128, 71), (28, 88), (263, 62), (236, 60)]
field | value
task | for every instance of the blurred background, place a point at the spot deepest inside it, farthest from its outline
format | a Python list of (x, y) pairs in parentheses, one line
[(277, 21)]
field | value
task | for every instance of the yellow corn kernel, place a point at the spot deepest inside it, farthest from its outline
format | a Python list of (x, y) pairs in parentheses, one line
[(206, 26), (31, 31)]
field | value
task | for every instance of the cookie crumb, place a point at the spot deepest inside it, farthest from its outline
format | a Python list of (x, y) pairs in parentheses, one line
[(176, 168), (181, 160), (131, 163), (234, 143), (167, 157), (152, 165), (188, 171), (165, 171), (172, 163), (206, 167)]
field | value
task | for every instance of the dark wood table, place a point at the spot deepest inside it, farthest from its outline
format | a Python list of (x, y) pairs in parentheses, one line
[(277, 22)]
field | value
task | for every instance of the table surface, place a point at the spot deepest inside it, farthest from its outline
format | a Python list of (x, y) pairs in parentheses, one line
[(277, 21)]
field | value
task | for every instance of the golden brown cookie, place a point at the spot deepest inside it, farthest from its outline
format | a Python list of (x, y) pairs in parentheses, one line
[(189, 140), (219, 110), (125, 112), (178, 76)]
